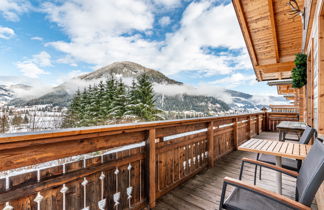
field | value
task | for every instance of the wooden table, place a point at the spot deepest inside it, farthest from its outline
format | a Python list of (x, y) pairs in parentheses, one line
[(278, 149), (290, 126)]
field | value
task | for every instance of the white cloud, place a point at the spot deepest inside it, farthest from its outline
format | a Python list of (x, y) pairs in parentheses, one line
[(168, 3), (11, 9), (6, 33), (42, 59), (67, 60), (86, 21), (37, 38), (235, 80), (97, 38), (164, 21), (30, 69)]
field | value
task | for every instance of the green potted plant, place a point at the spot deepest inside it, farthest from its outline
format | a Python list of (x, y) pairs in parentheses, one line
[(299, 73)]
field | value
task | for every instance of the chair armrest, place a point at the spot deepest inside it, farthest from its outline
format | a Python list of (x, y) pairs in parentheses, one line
[(266, 193), (270, 166)]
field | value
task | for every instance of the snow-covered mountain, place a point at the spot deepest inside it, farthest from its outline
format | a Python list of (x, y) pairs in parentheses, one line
[(7, 92), (171, 95)]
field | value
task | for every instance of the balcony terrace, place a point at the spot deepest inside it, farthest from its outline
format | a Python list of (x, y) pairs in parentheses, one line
[(167, 165)]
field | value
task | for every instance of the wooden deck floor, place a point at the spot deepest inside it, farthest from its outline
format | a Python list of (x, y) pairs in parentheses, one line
[(204, 190)]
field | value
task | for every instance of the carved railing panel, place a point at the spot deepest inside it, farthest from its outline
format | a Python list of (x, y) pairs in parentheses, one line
[(114, 167)]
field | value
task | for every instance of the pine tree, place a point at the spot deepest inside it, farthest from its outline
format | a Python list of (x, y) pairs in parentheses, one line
[(26, 120), (17, 120), (100, 106), (4, 124), (145, 108), (119, 103), (73, 116), (109, 97), (84, 101), (131, 107), (93, 106)]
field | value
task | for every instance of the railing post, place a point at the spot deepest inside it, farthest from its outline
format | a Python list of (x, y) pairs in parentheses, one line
[(235, 133), (210, 139), (258, 124), (151, 154), (249, 127)]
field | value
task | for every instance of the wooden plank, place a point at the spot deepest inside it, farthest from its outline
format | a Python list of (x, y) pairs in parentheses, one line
[(15, 158), (284, 147), (296, 149), (264, 142), (267, 145), (272, 146), (273, 30), (256, 144), (277, 67), (290, 148), (245, 30), (303, 150), (278, 147), (151, 154), (210, 138)]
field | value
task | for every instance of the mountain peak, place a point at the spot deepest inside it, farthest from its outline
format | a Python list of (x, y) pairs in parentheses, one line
[(128, 69)]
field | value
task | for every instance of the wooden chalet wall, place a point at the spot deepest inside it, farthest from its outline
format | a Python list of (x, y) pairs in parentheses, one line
[(313, 46), (158, 157)]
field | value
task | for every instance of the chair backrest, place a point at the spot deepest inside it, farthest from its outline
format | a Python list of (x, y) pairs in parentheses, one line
[(311, 174), (307, 135)]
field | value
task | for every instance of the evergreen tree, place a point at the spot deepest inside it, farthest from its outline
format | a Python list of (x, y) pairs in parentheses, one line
[(119, 103), (109, 97), (93, 108), (26, 120), (132, 96), (145, 107), (100, 106), (73, 116), (17, 120), (4, 124)]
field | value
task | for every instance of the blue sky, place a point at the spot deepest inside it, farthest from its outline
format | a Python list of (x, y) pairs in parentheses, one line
[(195, 42)]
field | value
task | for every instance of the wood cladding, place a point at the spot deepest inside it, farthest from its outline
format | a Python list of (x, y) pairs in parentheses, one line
[(121, 179), (272, 36)]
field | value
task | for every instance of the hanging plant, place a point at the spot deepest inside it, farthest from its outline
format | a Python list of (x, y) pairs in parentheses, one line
[(299, 73)]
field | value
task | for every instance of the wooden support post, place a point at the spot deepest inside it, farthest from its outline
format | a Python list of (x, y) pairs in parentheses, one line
[(211, 151), (257, 124), (249, 127), (151, 154), (235, 133), (266, 121)]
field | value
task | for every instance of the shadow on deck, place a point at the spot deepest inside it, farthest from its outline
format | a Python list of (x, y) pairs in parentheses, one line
[(203, 191)]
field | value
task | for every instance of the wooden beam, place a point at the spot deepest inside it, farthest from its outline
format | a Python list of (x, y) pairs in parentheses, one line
[(274, 30), (210, 138), (276, 67), (151, 155), (246, 34)]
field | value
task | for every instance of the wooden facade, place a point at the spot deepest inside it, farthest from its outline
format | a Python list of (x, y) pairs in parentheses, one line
[(272, 38), (125, 166), (305, 34)]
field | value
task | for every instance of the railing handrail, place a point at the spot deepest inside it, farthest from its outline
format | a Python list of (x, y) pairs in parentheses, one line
[(26, 136)]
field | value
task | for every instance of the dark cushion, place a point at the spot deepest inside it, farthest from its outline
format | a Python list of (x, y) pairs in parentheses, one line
[(307, 135), (244, 199), (311, 174), (287, 163)]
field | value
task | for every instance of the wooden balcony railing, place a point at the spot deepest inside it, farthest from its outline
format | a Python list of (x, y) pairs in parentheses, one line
[(284, 108), (154, 159), (272, 119)]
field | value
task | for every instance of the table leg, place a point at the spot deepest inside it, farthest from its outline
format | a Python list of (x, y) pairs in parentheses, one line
[(280, 135), (279, 176)]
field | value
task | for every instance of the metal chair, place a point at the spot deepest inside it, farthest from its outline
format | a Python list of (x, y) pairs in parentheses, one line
[(287, 163), (250, 197)]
